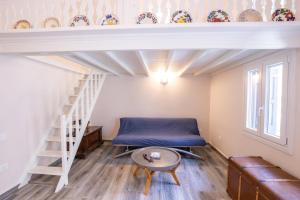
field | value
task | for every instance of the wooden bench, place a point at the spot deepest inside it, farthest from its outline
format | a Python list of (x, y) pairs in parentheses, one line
[(253, 178)]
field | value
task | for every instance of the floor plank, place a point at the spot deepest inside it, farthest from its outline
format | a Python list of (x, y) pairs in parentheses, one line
[(100, 177)]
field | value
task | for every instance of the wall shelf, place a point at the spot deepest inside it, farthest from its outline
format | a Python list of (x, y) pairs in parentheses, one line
[(234, 35)]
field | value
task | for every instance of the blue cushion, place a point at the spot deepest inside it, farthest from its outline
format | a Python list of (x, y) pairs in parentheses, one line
[(170, 132)]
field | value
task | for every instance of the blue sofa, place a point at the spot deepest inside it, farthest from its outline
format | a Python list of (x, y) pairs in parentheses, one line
[(165, 132)]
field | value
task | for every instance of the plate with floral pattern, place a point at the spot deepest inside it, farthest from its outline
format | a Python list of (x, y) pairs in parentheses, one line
[(250, 15), (51, 22), (218, 16), (109, 19), (23, 24), (283, 14), (181, 17), (147, 18), (80, 20)]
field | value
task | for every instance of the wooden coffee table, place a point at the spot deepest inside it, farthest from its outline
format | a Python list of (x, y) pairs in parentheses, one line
[(168, 162)]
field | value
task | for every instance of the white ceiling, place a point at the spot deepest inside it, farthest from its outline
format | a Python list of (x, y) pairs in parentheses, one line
[(179, 62)]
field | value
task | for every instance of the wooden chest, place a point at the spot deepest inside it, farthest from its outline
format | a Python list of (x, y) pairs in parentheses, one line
[(92, 139), (272, 190), (235, 169), (252, 178)]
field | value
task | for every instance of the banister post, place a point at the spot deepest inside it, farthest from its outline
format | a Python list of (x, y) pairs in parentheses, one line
[(87, 96), (70, 131), (64, 159)]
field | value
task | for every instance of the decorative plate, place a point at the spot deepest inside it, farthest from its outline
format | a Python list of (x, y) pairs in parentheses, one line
[(146, 18), (250, 15), (51, 22), (283, 14), (218, 16), (109, 19), (23, 24), (181, 17), (80, 20)]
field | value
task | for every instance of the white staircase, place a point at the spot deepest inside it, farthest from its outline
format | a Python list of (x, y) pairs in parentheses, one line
[(68, 131)]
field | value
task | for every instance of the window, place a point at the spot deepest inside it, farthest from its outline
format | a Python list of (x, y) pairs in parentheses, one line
[(266, 98), (252, 99), (273, 104)]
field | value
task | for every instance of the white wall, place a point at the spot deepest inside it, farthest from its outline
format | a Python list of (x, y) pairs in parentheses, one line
[(146, 97), (31, 96), (226, 122)]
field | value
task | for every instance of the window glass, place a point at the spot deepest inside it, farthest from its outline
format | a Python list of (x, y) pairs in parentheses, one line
[(252, 99), (273, 99)]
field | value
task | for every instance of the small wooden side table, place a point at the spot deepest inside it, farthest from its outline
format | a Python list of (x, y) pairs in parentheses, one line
[(168, 162), (91, 140)]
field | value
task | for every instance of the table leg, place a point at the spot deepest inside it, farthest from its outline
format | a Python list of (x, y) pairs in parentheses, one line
[(149, 175), (135, 173), (173, 173)]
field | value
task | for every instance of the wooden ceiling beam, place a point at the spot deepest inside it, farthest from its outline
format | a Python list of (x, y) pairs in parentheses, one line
[(190, 62), (93, 61), (171, 55), (255, 56), (60, 62), (223, 59), (143, 62), (78, 61), (121, 63)]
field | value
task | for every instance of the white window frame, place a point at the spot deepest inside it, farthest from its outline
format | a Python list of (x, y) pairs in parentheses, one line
[(283, 136), (288, 58), (254, 66)]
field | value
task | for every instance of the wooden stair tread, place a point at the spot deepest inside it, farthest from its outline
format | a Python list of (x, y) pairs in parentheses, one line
[(56, 171), (51, 153), (54, 138), (74, 126)]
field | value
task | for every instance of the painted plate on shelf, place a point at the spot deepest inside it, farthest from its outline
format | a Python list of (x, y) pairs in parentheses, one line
[(181, 17), (23, 24), (283, 14), (51, 22), (218, 16), (80, 20), (147, 18), (250, 15), (109, 19)]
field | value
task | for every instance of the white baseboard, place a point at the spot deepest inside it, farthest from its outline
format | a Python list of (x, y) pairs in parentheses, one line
[(219, 151)]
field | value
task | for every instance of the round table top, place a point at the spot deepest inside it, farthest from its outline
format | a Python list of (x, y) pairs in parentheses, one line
[(169, 159)]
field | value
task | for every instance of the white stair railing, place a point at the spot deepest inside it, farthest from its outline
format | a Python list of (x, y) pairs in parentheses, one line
[(74, 123)]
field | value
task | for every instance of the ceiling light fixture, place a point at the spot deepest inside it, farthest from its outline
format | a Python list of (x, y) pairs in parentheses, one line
[(164, 76)]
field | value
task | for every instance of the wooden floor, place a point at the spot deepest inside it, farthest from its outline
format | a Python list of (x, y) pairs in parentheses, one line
[(101, 177)]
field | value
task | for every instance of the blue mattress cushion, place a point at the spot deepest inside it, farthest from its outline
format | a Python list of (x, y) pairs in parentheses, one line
[(170, 132)]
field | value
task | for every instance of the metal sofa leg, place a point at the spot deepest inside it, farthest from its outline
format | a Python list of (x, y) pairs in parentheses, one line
[(188, 153), (127, 151)]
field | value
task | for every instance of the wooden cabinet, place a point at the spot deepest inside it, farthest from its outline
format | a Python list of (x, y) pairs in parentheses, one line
[(92, 139), (235, 169), (278, 190), (252, 178), (234, 175)]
